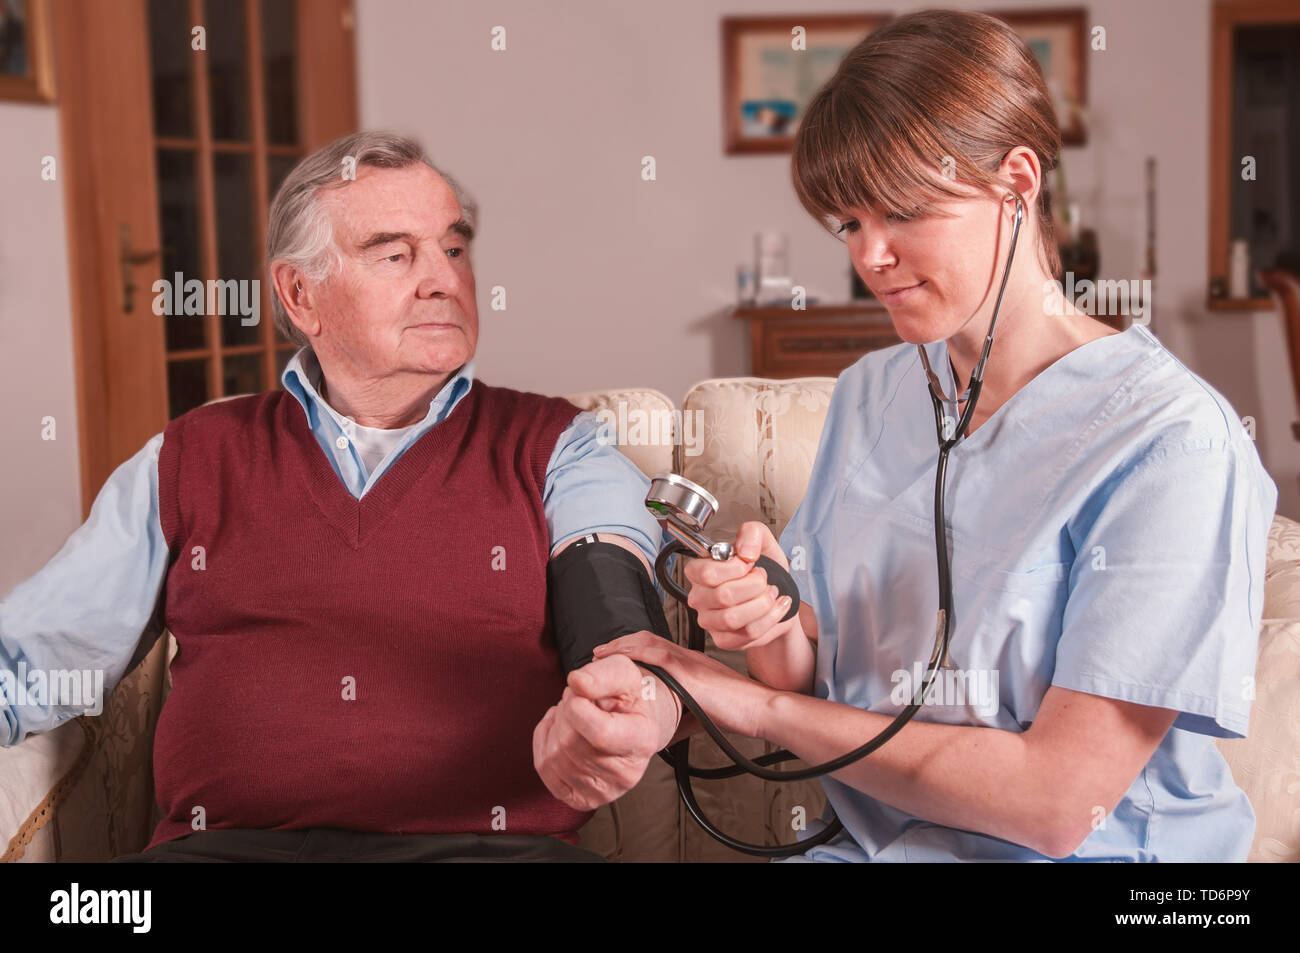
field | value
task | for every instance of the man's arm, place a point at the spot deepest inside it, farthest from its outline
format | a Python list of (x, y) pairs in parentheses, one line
[(87, 608), (592, 488), (667, 706), (594, 745)]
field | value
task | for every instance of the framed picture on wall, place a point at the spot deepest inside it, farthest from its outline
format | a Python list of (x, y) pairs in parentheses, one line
[(26, 74), (772, 66), (1058, 38)]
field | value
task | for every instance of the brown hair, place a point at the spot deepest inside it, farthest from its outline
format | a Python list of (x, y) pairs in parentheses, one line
[(922, 88)]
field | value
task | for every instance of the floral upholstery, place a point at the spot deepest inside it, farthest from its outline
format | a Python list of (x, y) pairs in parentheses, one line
[(760, 439), (1266, 763)]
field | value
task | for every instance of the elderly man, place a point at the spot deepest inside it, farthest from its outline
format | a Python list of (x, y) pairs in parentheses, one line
[(378, 577)]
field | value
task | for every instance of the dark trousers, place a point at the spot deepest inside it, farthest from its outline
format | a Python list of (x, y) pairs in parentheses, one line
[(323, 844)]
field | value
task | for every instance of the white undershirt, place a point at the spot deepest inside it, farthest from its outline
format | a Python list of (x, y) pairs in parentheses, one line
[(372, 444)]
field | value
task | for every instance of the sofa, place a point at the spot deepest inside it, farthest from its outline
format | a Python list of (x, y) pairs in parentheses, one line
[(84, 791)]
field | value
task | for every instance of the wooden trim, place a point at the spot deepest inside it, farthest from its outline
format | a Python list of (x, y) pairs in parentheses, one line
[(39, 87), (1239, 304), (1285, 288), (1220, 143), (83, 258), (194, 354), (327, 79), (1258, 11), (864, 310), (224, 145), (821, 341), (261, 186), (205, 185), (107, 165), (1226, 16)]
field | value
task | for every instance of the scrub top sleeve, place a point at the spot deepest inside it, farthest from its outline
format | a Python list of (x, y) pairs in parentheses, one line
[(1167, 587)]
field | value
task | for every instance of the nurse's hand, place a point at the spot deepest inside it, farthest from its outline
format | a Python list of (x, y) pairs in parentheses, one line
[(734, 703), (735, 602)]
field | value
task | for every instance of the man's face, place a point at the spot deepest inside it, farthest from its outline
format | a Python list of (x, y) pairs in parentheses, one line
[(403, 300)]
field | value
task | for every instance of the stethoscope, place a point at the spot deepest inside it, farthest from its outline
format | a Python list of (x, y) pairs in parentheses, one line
[(684, 508)]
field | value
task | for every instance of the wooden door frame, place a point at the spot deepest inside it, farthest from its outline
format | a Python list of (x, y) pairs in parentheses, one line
[(92, 38), (1226, 16)]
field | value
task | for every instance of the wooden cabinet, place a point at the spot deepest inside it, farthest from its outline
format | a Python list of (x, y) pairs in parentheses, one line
[(820, 341)]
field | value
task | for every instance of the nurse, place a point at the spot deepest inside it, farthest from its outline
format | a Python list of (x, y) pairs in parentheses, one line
[(1107, 512)]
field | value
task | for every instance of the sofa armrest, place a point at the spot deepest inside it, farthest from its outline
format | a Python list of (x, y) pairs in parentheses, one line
[(34, 775), (84, 792)]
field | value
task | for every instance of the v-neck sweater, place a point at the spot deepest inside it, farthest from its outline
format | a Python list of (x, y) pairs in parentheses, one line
[(373, 664)]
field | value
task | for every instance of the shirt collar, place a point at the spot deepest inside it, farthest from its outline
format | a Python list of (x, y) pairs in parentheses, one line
[(302, 377)]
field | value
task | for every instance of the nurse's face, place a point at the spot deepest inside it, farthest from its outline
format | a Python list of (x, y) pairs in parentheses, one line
[(936, 274)]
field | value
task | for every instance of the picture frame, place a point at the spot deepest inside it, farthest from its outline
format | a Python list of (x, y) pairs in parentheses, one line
[(26, 68), (768, 81), (1058, 37)]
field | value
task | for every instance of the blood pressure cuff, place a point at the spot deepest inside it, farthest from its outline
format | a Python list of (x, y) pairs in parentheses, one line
[(599, 591)]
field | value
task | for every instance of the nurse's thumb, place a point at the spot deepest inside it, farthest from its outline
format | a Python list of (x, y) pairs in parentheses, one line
[(755, 539)]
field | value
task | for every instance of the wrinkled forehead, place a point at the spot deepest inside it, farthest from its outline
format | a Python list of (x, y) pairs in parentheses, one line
[(414, 199)]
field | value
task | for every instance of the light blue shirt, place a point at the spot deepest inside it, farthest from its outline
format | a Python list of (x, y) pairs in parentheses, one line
[(86, 609), (1108, 533)]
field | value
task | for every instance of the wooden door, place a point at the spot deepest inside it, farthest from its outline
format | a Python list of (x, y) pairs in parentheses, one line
[(179, 120)]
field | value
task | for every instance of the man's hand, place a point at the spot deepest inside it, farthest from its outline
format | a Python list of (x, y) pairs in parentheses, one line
[(593, 747)]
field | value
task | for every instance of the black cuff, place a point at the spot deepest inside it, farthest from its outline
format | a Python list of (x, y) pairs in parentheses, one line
[(599, 591)]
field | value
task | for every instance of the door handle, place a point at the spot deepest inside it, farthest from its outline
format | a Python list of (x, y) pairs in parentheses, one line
[(128, 259)]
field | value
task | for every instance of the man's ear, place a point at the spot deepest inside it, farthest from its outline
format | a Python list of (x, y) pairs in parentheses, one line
[(295, 294)]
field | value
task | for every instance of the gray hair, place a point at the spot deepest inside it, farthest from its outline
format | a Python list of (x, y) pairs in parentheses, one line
[(300, 232)]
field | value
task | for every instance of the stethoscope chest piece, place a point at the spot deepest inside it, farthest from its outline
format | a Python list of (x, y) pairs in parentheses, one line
[(684, 507)]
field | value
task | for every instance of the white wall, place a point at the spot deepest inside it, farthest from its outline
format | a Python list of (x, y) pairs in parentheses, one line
[(612, 281), (41, 499), (615, 281)]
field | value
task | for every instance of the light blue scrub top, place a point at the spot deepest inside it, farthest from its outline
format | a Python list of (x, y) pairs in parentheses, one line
[(1108, 530)]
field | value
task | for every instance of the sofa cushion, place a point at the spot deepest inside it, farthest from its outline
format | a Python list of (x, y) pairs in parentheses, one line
[(760, 438), (644, 824), (1266, 763), (642, 419)]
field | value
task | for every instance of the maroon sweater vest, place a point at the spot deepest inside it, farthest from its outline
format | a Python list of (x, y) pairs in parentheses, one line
[(375, 664)]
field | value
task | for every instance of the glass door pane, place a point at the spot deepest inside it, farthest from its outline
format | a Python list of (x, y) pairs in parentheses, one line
[(178, 229), (227, 59), (232, 177), (280, 64), (169, 48), (220, 158)]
